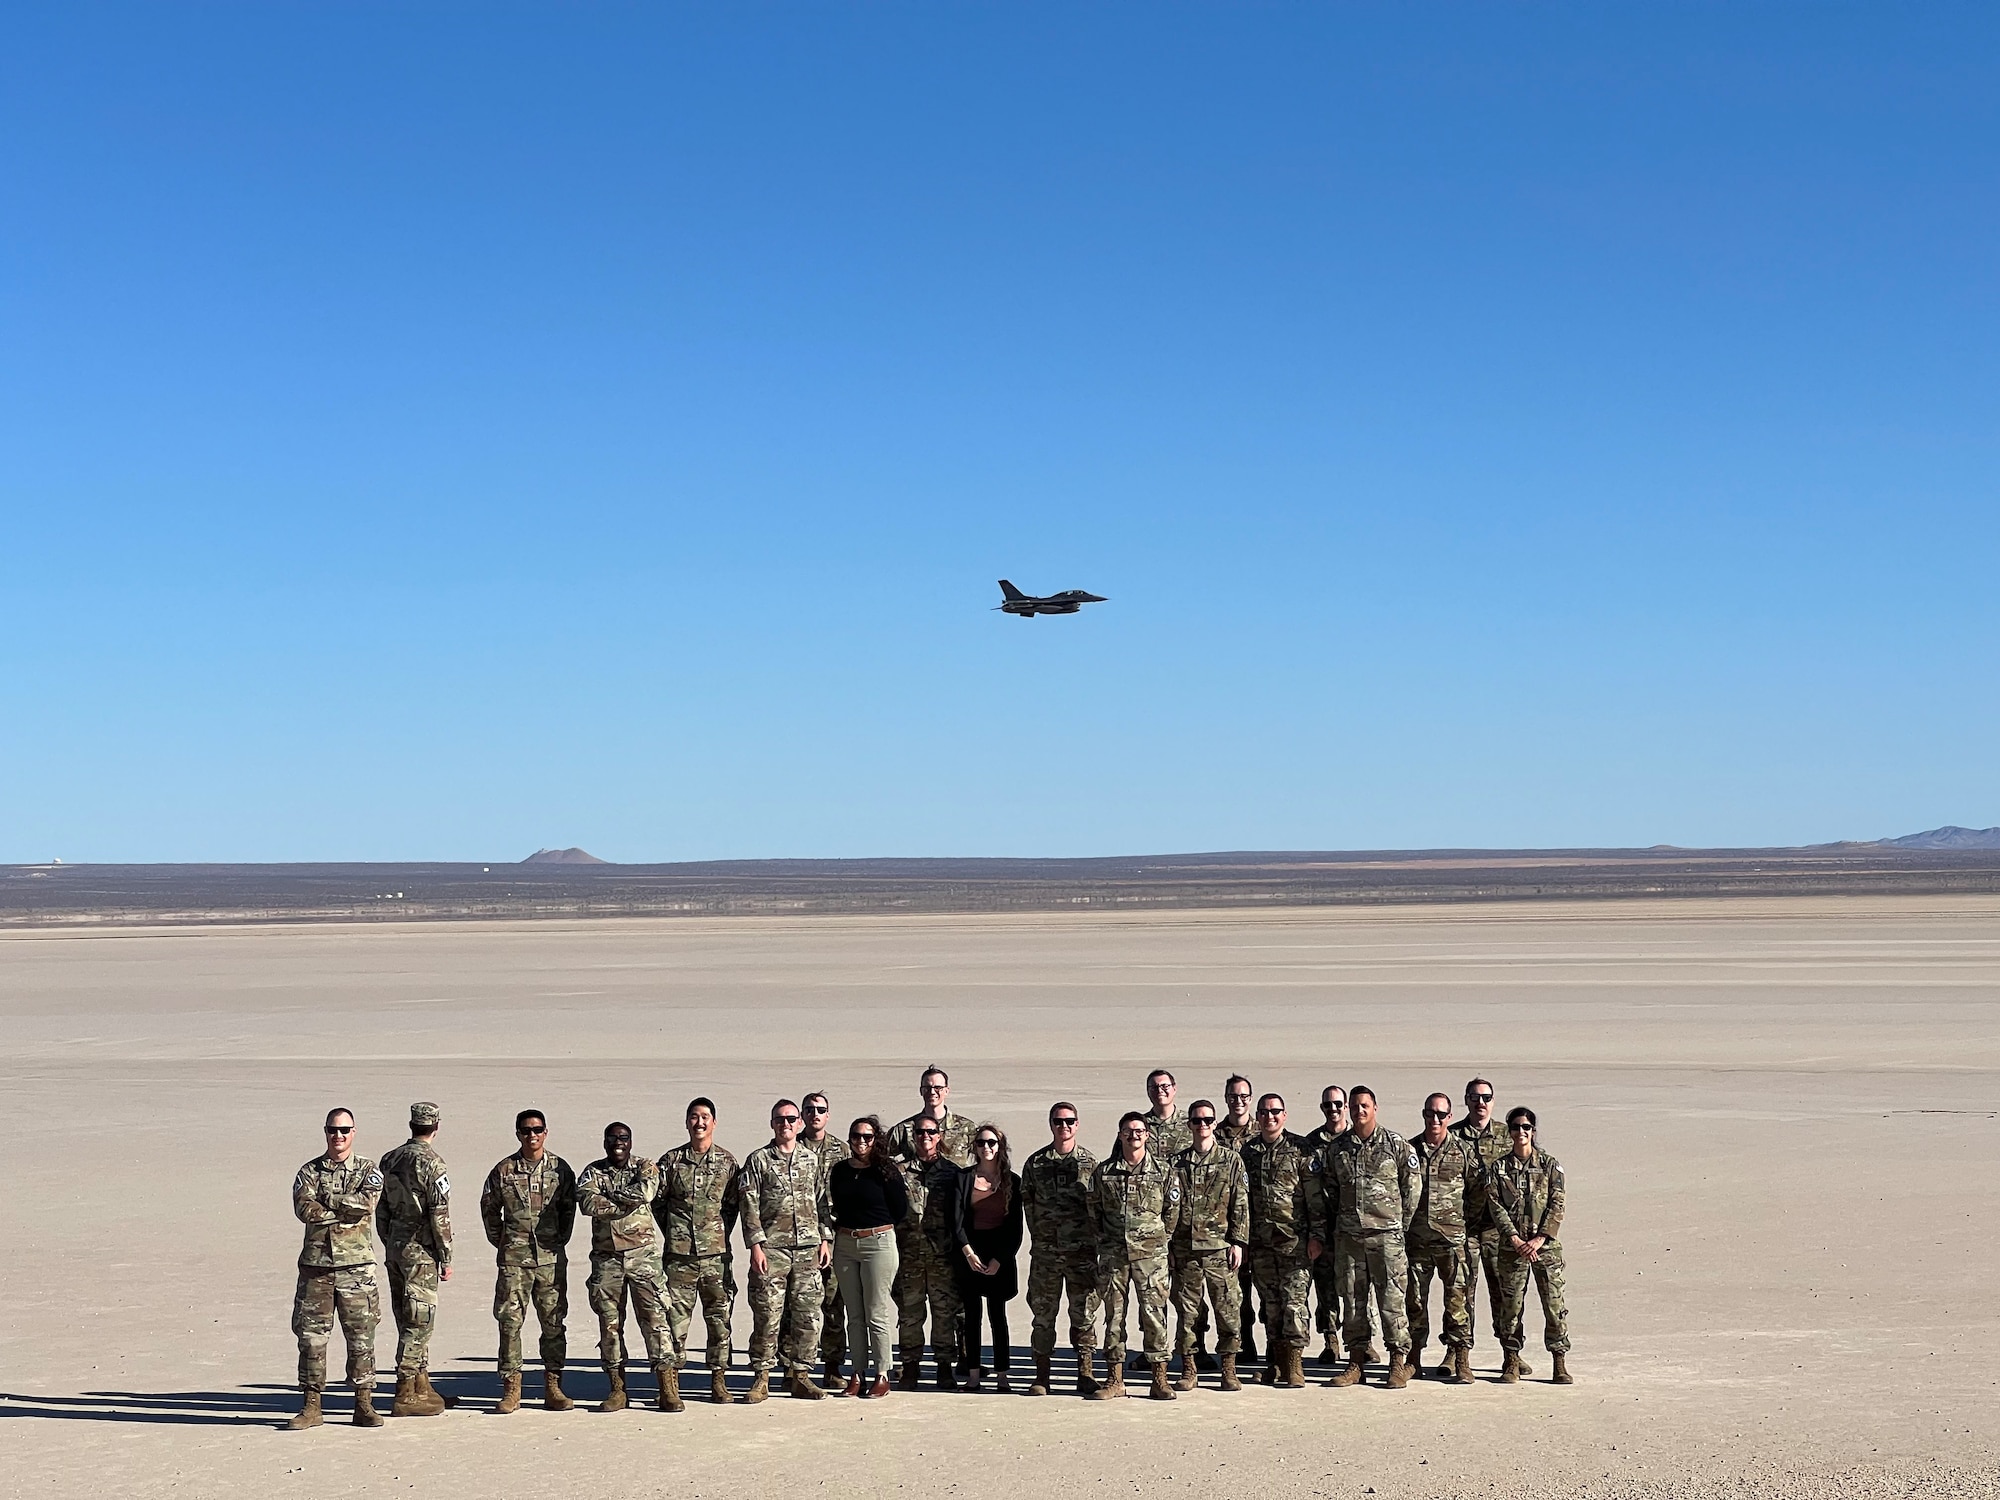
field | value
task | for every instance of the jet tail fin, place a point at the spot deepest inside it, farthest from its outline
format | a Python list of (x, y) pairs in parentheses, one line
[(1009, 592)]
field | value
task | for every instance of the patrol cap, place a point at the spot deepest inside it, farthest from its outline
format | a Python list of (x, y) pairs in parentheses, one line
[(424, 1113)]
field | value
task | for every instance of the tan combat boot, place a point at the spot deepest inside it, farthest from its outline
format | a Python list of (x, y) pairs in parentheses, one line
[(1399, 1371), (554, 1397), (718, 1386), (803, 1387), (411, 1400), (615, 1399), (1039, 1386), (1161, 1391), (424, 1381), (365, 1414), (760, 1388), (309, 1413), (1186, 1380), (1521, 1363), (1295, 1367), (1461, 1366), (1086, 1371), (1229, 1382), (1561, 1375), (1114, 1383), (669, 1377), (1510, 1370), (510, 1393), (1352, 1374)]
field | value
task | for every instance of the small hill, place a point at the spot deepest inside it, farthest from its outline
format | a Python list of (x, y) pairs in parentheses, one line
[(1951, 836), (563, 857)]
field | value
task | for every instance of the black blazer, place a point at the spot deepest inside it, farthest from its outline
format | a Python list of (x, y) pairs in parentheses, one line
[(1002, 1244)]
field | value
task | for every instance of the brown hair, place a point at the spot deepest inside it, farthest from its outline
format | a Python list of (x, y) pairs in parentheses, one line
[(1001, 1162), (879, 1159)]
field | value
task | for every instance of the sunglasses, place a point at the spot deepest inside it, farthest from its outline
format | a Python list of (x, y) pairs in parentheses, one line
[(932, 1131), (1269, 1114), (1437, 1114), (861, 1135), (1330, 1105), (1201, 1119), (1479, 1098), (816, 1109), (1237, 1098), (1064, 1122), (339, 1129), (1520, 1130), (988, 1145)]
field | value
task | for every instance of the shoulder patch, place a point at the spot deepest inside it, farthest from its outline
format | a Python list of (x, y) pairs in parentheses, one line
[(443, 1186), (372, 1180)]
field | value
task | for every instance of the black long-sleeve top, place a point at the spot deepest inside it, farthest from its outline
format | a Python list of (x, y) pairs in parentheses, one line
[(862, 1199)]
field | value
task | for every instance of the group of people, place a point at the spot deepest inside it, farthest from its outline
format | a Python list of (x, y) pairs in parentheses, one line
[(860, 1247)]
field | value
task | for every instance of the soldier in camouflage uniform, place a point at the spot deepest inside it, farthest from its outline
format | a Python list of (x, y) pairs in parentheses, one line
[(1208, 1246), (1282, 1245), (413, 1217), (617, 1194), (528, 1206), (1328, 1311), (697, 1209), (1166, 1137), (785, 1224), (955, 1143), (1135, 1209), (1055, 1184), (334, 1196), (1483, 1134), (1524, 1195), (927, 1249), (1370, 1182), (1452, 1176), (1237, 1125), (829, 1148)]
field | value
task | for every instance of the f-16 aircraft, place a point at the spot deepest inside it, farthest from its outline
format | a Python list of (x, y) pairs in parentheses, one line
[(1014, 602)]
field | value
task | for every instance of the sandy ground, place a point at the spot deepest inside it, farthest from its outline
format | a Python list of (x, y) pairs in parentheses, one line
[(1778, 1120)]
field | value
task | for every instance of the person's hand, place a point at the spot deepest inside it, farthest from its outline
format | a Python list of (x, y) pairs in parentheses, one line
[(758, 1265), (1236, 1257), (1314, 1248), (1521, 1247), (825, 1254), (444, 1273), (991, 1268), (1535, 1246)]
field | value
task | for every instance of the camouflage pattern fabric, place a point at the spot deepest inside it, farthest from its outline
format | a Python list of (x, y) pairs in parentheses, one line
[(336, 1203), (413, 1297), (1547, 1269), (832, 1315), (700, 1199), (1203, 1277), (1233, 1136), (1281, 1221), (784, 1198), (1215, 1199), (529, 1210), (1063, 1247), (691, 1279), (1282, 1286), (1370, 1186), (625, 1259), (785, 1305), (1436, 1245), (926, 1282), (1491, 1143), (1135, 1211), (955, 1146), (1166, 1135), (545, 1286), (619, 1203), (1375, 1262), (1328, 1313), (1526, 1198), (1450, 1264), (413, 1216), (322, 1293)]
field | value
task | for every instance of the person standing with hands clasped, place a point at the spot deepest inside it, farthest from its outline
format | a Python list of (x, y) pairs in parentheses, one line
[(869, 1200), (988, 1225), (1525, 1195)]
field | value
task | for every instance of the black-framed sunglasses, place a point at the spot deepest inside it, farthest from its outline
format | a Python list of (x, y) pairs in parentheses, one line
[(1269, 1114), (815, 1109), (1064, 1122), (932, 1131), (1437, 1114), (338, 1129), (861, 1135), (1479, 1098), (1201, 1119), (1521, 1128), (1330, 1105), (786, 1119), (987, 1144)]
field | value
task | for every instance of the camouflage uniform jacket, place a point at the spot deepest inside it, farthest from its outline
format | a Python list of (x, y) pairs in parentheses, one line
[(1166, 1137), (619, 1201), (933, 1190), (1134, 1210), (1526, 1197), (529, 1208), (1215, 1199), (829, 1148), (955, 1145), (1491, 1143), (1054, 1190), (1280, 1216), (1452, 1178), (335, 1200), (1369, 1184), (1232, 1135), (416, 1201), (700, 1198), (785, 1203)]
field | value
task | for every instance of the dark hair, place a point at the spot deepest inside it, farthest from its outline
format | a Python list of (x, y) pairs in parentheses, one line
[(1439, 1094), (1358, 1090), (1235, 1078), (617, 1125), (1268, 1097), (782, 1103), (1473, 1083), (338, 1109), (1163, 1073), (526, 1115), (880, 1160), (1128, 1117), (702, 1101), (1001, 1160), (934, 1068), (1521, 1112), (1208, 1104), (1337, 1089), (819, 1094), (1064, 1104)]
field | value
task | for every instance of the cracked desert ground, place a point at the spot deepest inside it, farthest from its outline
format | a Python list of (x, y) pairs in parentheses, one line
[(1778, 1120)]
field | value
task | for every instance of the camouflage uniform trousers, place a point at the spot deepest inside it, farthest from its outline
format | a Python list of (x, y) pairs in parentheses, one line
[(1548, 1273), (1283, 1285), (547, 1286), (924, 1282), (1050, 1273), (785, 1304), (634, 1277), (1117, 1279), (350, 1292), (1376, 1265), (413, 1298), (1329, 1310), (1492, 1257), (1450, 1261), (1199, 1272), (703, 1278), (832, 1320)]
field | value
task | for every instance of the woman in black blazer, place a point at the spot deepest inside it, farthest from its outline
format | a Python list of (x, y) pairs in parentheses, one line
[(988, 1230)]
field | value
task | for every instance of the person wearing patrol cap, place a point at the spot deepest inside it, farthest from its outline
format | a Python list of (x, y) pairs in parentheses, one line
[(414, 1220)]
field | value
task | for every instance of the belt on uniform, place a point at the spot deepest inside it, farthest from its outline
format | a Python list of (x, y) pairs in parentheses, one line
[(862, 1234)]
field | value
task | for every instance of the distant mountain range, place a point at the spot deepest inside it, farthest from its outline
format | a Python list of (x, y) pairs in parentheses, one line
[(1951, 836), (563, 857)]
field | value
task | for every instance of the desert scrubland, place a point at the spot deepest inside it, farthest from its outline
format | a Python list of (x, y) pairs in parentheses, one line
[(1780, 1121)]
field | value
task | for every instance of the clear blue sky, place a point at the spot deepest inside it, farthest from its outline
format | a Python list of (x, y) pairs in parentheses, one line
[(438, 431)]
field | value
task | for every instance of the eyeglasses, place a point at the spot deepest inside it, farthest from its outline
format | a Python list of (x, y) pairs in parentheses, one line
[(1332, 1105), (932, 1130), (1064, 1122), (786, 1119), (1269, 1114), (1479, 1098), (339, 1129), (1237, 1098), (1521, 1129), (1201, 1119), (988, 1144), (531, 1130), (815, 1109), (931, 1088), (1437, 1114), (861, 1135)]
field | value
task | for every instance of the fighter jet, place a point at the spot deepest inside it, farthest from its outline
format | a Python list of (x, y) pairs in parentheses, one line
[(1014, 602)]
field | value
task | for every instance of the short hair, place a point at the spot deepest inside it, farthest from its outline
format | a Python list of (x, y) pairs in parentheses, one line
[(1064, 1104), (781, 1104), (339, 1109), (934, 1068), (1521, 1112), (1358, 1090), (1207, 1104), (819, 1094), (1163, 1073), (529, 1114), (1235, 1078), (1473, 1083), (1129, 1116), (1333, 1088), (1269, 1097), (702, 1101), (1440, 1094), (617, 1125)]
